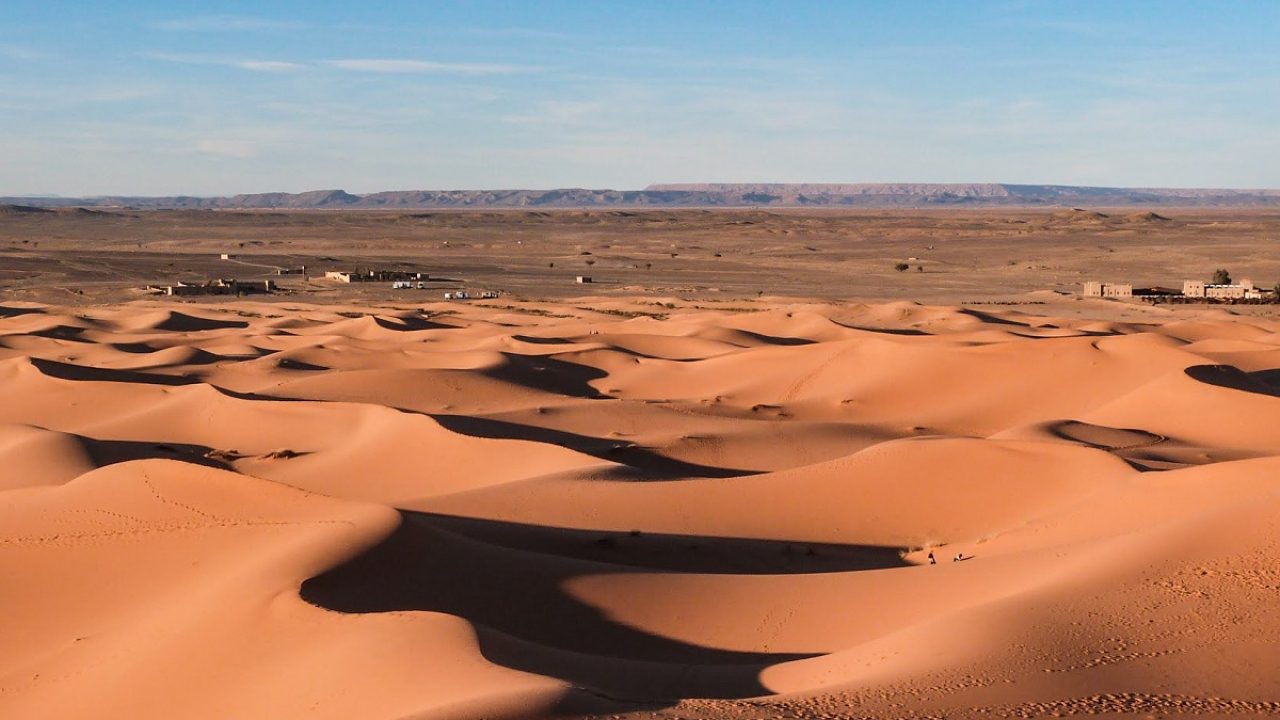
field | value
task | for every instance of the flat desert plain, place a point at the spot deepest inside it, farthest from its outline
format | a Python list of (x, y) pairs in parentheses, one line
[(952, 256), (710, 490)]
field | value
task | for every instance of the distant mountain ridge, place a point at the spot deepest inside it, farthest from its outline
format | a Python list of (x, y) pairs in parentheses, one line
[(852, 195)]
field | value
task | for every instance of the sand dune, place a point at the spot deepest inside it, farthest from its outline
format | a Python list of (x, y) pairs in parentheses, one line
[(466, 511)]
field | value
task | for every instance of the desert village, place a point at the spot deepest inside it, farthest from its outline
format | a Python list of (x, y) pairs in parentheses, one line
[(399, 280), (1219, 290), (1193, 291)]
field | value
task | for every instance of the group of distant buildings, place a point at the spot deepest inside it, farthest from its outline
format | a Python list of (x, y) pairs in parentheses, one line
[(217, 286), (399, 279), (232, 286), (1193, 290), (361, 276), (405, 280)]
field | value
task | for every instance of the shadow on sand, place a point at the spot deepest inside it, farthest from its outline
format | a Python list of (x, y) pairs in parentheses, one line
[(653, 465), (83, 373), (79, 373), (548, 374), (514, 583), (1262, 382), (7, 311)]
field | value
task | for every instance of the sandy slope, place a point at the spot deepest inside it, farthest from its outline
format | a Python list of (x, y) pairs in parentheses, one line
[(461, 511)]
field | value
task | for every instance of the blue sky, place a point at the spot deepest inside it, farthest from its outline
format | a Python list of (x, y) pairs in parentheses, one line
[(204, 98)]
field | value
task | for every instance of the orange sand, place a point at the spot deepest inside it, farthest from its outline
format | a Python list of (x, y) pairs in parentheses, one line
[(463, 511)]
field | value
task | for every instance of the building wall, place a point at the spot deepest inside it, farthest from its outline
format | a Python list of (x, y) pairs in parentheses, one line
[(1196, 288), (1109, 290), (375, 275), (1224, 291)]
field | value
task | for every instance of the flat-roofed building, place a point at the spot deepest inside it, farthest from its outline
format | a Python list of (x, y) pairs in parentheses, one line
[(1241, 290), (1108, 290), (351, 276)]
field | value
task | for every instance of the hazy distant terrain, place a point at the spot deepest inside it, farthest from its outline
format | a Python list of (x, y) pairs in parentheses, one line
[(953, 254), (863, 195)]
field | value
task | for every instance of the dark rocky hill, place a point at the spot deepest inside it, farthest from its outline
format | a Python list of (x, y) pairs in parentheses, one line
[(863, 195)]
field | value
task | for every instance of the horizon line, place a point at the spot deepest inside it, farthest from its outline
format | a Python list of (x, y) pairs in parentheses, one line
[(651, 187)]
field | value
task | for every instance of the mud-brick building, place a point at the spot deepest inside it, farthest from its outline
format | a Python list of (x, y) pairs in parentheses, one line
[(1241, 290), (1108, 290)]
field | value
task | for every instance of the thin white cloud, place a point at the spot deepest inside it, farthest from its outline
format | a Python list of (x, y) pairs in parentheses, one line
[(273, 66), (184, 58), (224, 23), (254, 65), (370, 65), (391, 66)]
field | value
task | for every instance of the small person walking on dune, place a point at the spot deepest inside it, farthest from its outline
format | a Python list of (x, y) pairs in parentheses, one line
[(932, 560), (958, 557)]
